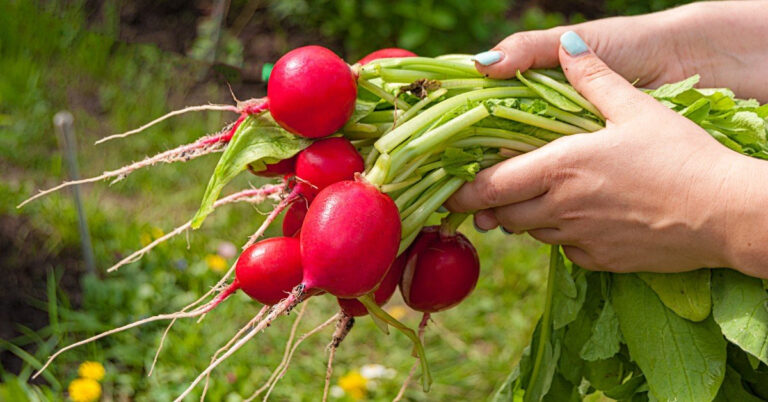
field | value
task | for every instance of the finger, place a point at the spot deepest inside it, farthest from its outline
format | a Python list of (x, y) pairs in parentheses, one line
[(614, 96), (520, 51), (526, 215), (514, 180), (550, 235), (579, 257), (485, 220)]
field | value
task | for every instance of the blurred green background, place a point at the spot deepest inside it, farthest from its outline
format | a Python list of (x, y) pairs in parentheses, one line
[(118, 64)]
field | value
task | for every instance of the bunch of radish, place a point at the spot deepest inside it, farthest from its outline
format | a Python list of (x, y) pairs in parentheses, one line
[(365, 156)]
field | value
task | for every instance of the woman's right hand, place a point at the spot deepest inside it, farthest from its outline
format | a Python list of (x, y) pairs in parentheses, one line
[(724, 42)]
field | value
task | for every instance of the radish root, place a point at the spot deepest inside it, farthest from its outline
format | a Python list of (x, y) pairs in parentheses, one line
[(253, 196), (281, 369), (237, 336), (422, 326), (288, 345), (200, 108), (203, 146), (294, 195), (343, 326), (278, 309), (181, 314)]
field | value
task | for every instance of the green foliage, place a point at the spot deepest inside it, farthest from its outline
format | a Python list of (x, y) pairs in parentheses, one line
[(426, 27), (258, 141)]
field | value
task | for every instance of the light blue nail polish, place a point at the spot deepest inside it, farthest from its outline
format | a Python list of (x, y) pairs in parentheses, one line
[(488, 58), (573, 44), (442, 209), (504, 230)]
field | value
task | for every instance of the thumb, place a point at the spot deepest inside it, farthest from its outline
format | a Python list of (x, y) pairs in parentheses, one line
[(614, 96)]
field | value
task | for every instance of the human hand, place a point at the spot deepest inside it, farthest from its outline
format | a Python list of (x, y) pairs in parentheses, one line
[(721, 41), (651, 192)]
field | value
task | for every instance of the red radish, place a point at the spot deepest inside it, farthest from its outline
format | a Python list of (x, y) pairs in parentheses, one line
[(282, 168), (386, 53), (327, 161), (311, 92), (294, 217), (382, 294), (441, 271), (349, 239), (268, 270)]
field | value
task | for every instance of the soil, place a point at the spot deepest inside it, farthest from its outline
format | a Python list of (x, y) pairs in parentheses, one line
[(26, 263)]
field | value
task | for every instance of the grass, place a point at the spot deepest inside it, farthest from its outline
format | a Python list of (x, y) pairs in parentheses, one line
[(51, 63)]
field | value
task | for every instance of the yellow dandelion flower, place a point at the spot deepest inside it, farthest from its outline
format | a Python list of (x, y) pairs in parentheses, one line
[(397, 311), (84, 390), (216, 262), (354, 384), (145, 239), (157, 232), (92, 370)]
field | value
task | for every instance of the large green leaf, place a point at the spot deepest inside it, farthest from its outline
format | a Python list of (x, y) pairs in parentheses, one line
[(569, 294), (682, 360), (606, 336), (258, 141), (740, 310), (733, 390), (686, 293)]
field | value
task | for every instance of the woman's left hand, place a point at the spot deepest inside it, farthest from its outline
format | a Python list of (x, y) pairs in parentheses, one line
[(651, 192)]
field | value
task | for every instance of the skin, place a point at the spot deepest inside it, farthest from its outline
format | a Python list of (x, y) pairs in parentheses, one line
[(652, 191)]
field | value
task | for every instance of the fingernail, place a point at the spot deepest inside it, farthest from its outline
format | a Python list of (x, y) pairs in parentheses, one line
[(488, 58), (441, 209), (505, 231), (573, 44), (477, 227)]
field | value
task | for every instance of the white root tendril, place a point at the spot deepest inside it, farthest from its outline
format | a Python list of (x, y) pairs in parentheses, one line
[(200, 108), (253, 196), (283, 204), (217, 287), (422, 326), (276, 310), (282, 368), (172, 316), (288, 345), (237, 336), (203, 146), (343, 326)]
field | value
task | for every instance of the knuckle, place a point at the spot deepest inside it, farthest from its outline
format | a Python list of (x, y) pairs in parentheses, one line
[(489, 193), (595, 71)]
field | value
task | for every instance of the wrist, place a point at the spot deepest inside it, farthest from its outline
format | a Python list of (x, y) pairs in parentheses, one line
[(745, 217)]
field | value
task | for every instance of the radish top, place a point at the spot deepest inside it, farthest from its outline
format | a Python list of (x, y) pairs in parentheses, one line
[(311, 92)]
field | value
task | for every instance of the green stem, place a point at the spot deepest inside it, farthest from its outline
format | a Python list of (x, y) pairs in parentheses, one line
[(422, 198), (565, 90), (373, 308), (532, 120), (413, 166), (392, 187), (435, 137), (401, 133), (451, 223), (568, 117), (416, 219), (461, 83), (382, 116), (494, 142), (370, 159), (428, 64), (500, 133), (546, 324), (378, 173), (420, 105), (393, 75), (376, 90), (417, 189), (405, 243), (359, 128)]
